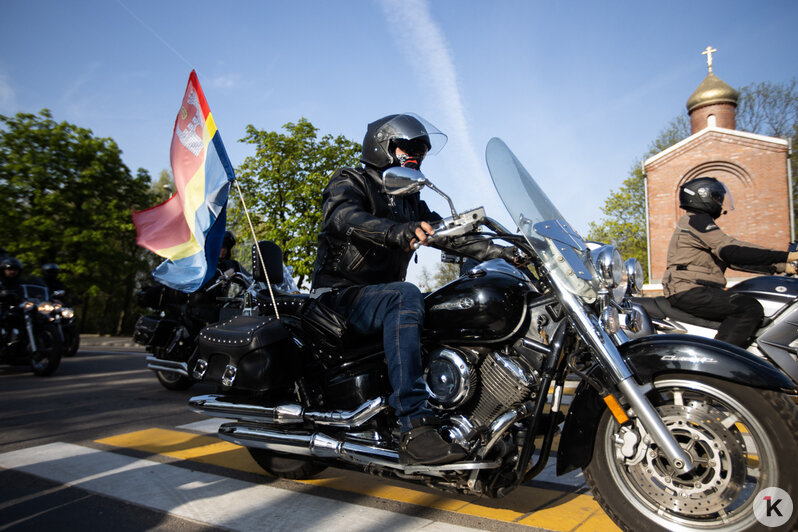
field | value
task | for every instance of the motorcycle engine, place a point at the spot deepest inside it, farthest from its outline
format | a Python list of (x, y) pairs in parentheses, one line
[(481, 388)]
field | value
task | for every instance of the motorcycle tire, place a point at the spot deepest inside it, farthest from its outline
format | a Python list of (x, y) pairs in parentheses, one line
[(72, 345), (740, 439), (49, 349), (283, 466), (174, 381)]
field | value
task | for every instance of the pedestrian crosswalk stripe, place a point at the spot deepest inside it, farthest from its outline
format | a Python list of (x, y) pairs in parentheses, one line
[(206, 498), (550, 509)]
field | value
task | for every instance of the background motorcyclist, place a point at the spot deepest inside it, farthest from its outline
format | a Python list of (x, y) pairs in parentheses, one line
[(226, 260), (364, 248), (10, 286), (698, 255)]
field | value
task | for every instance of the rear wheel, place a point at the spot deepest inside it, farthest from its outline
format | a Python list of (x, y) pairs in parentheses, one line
[(174, 381), (740, 439), (49, 349), (283, 466)]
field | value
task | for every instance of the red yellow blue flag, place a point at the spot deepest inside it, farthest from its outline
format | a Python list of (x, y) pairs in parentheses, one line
[(188, 228)]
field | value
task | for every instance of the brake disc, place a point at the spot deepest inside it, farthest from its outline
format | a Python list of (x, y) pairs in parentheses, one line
[(717, 449)]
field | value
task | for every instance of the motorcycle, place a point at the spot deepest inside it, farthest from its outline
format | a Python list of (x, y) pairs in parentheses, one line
[(673, 432), (777, 338), (64, 319), (171, 333), (29, 333)]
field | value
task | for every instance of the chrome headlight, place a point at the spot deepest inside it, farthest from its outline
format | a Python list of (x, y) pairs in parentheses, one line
[(67, 312), (46, 307), (634, 274), (609, 266), (28, 305)]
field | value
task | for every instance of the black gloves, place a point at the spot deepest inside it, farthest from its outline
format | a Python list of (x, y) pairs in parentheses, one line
[(401, 234)]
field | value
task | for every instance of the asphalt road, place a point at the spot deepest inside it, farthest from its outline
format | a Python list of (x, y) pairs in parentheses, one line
[(101, 445)]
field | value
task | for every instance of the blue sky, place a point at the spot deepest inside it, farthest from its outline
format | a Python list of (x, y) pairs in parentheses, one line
[(577, 89)]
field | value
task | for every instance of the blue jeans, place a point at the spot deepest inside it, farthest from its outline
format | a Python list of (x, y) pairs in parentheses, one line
[(398, 310)]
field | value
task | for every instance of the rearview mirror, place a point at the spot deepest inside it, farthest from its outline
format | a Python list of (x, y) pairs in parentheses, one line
[(400, 181)]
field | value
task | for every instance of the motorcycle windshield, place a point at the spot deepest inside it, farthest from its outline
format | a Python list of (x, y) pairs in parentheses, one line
[(563, 252)]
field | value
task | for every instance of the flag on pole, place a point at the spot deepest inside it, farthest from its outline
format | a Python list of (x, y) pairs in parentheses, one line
[(188, 228)]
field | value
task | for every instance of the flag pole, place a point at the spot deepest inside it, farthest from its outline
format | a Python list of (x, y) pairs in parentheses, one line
[(260, 256)]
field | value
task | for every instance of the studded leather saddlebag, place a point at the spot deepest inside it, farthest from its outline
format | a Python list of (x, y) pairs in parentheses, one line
[(247, 353)]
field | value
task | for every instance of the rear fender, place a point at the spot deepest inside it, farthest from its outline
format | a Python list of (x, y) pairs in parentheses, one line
[(648, 358)]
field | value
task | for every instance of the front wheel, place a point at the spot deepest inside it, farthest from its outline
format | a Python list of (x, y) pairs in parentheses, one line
[(284, 466), (741, 440), (174, 381), (49, 349)]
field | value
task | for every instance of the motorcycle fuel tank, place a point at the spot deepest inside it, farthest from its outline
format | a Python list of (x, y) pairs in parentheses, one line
[(774, 287), (482, 306)]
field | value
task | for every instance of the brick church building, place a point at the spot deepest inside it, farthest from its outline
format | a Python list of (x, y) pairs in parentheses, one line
[(753, 167)]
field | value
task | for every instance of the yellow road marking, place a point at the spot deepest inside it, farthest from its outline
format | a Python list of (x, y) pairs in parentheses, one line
[(550, 509)]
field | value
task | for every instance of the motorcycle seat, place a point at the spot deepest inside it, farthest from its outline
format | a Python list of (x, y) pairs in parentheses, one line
[(333, 340), (659, 308)]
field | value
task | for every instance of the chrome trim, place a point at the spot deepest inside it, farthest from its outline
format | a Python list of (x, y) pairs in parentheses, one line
[(611, 361), (460, 367), (285, 414), (325, 446), (654, 425)]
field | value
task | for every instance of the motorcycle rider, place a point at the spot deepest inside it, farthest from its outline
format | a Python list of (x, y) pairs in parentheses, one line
[(698, 255), (364, 247), (11, 293), (226, 260), (10, 286)]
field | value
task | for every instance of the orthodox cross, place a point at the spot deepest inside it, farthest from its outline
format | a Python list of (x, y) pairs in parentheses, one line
[(708, 53)]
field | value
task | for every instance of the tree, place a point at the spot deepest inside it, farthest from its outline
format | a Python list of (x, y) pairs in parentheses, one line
[(764, 108), (65, 196), (282, 186)]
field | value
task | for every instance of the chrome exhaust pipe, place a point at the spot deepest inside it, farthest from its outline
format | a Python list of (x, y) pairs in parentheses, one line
[(285, 414), (307, 444), (158, 364), (324, 446)]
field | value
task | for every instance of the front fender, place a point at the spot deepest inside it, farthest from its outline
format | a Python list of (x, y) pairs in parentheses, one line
[(648, 358), (667, 353)]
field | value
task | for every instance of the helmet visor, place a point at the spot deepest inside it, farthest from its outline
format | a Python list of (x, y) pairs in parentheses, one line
[(412, 133), (728, 201)]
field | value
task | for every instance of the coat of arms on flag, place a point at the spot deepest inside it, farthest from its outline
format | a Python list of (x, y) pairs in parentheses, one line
[(187, 229)]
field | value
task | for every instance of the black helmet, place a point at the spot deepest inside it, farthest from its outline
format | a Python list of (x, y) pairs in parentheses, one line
[(229, 240), (51, 268), (408, 131), (705, 194), (11, 263)]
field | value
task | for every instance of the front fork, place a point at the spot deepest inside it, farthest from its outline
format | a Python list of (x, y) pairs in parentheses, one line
[(612, 362), (31, 336)]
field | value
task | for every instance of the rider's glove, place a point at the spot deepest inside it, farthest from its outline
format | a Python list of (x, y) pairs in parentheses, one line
[(400, 235)]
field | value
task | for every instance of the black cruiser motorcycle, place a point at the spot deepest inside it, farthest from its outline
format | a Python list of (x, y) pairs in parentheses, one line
[(29, 334), (170, 332), (674, 432)]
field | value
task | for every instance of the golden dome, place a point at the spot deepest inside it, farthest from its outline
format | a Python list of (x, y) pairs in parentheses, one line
[(712, 90)]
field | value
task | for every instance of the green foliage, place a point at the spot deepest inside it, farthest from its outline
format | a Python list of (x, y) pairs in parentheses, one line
[(65, 196), (764, 108), (282, 186), (445, 273)]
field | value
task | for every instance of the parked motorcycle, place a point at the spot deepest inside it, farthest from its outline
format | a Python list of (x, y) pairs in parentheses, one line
[(171, 333), (674, 432), (28, 332)]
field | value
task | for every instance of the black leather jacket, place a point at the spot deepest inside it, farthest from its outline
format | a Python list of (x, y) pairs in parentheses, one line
[(358, 242)]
